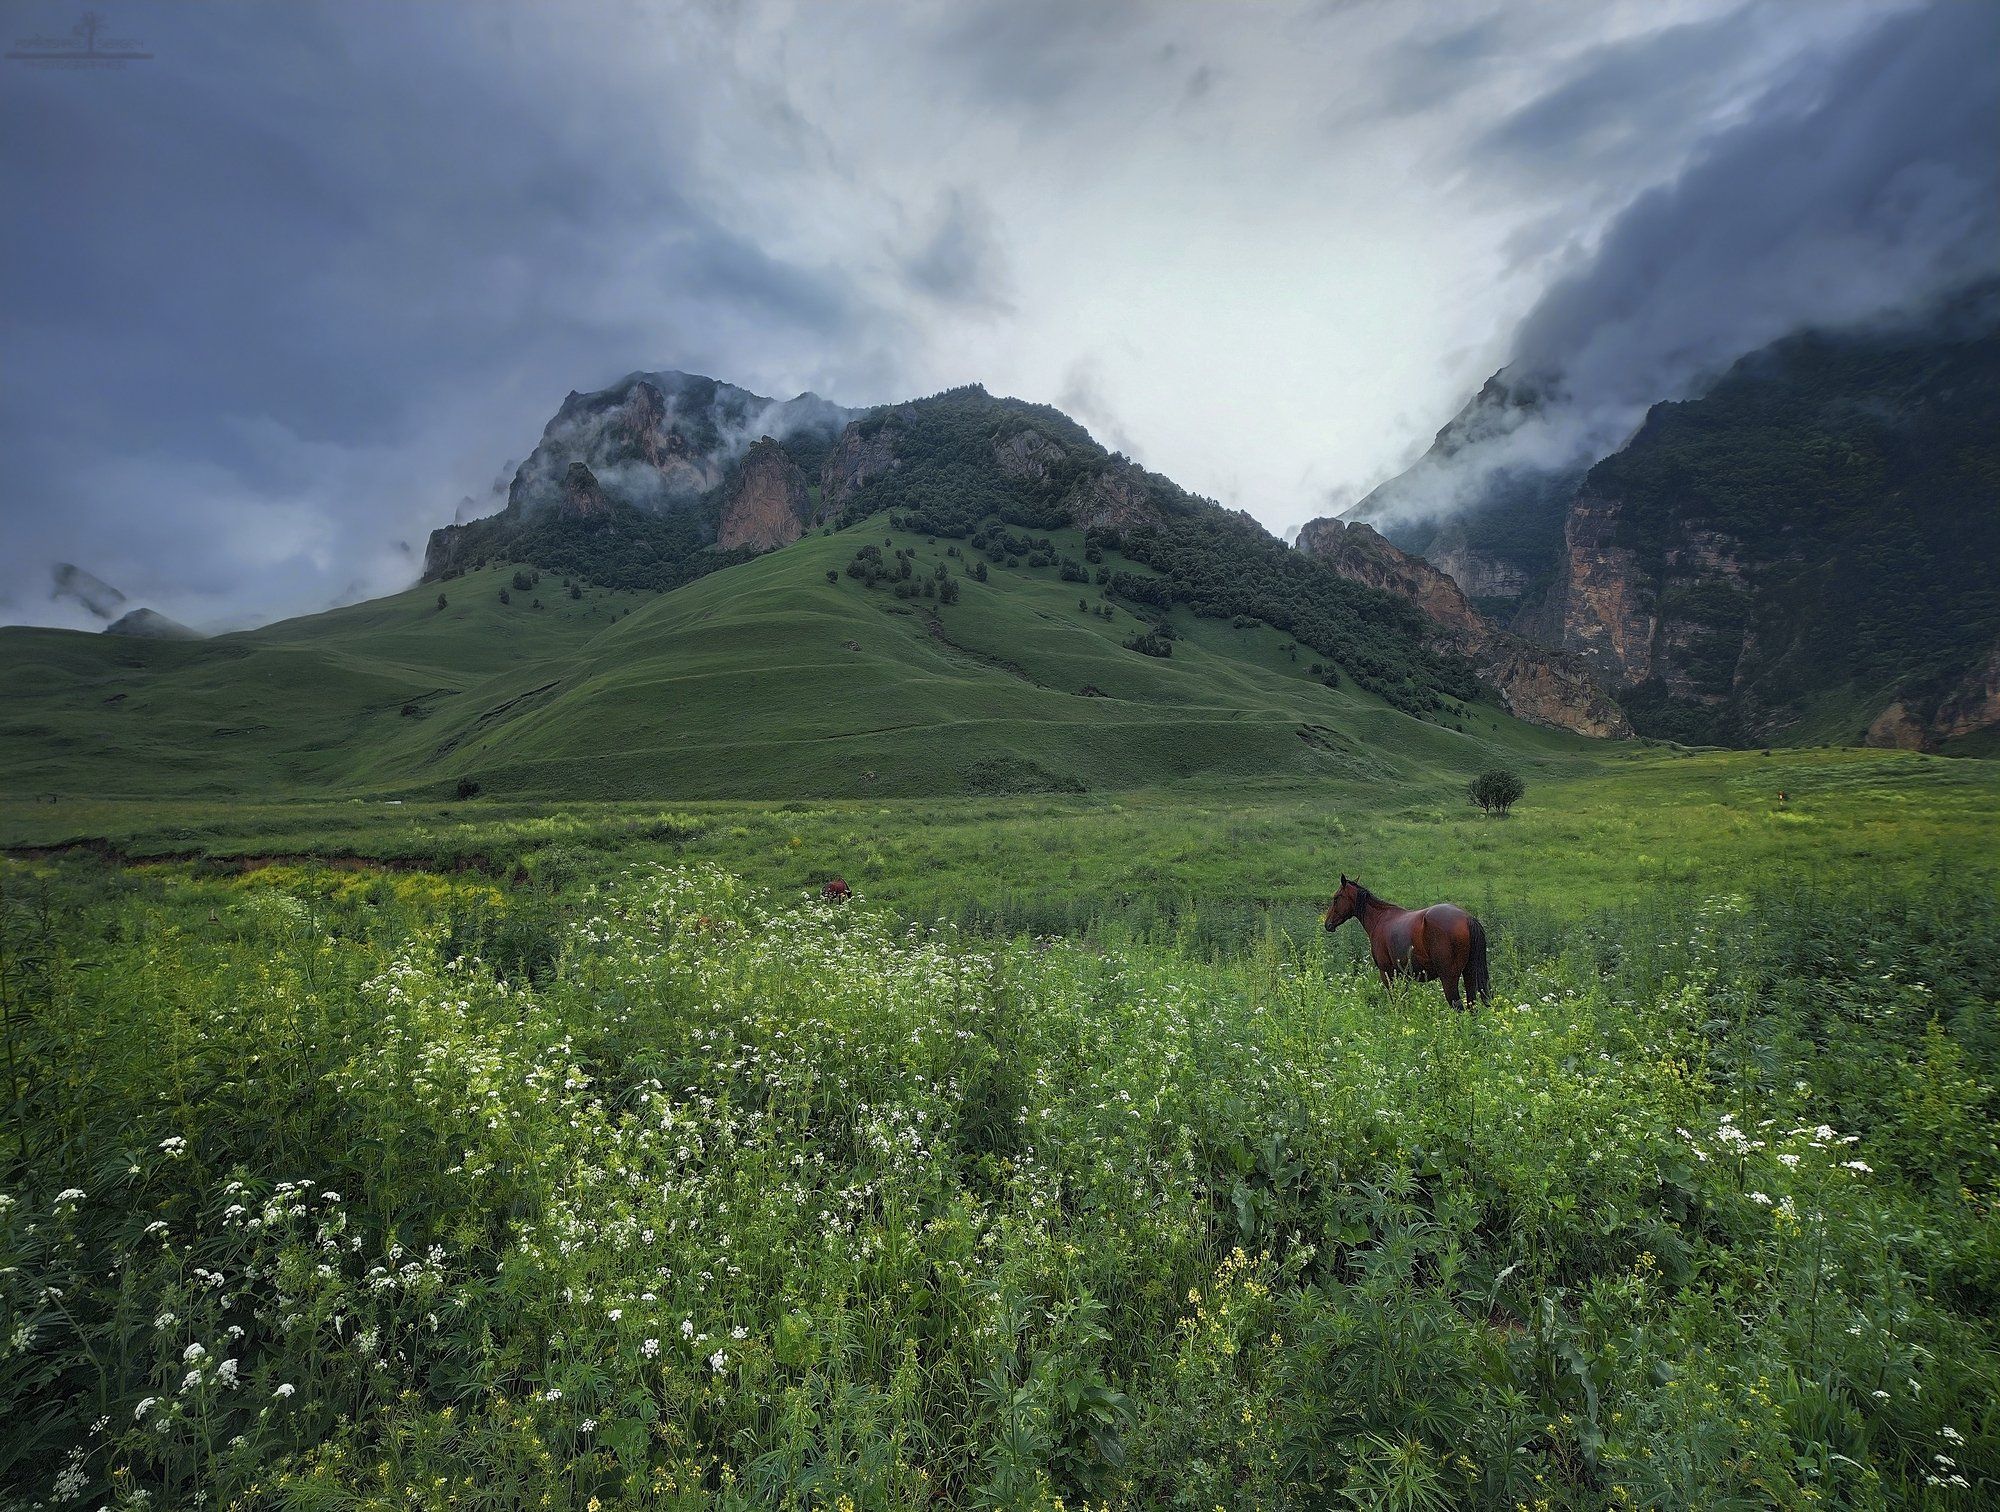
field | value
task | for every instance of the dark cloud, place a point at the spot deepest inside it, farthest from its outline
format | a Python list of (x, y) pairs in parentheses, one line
[(961, 262), (1037, 53), (305, 275), (1618, 103), (1082, 397), (1871, 187), (1864, 189), (280, 299), (1200, 83)]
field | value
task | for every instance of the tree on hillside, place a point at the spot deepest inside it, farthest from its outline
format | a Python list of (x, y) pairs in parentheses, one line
[(1496, 791)]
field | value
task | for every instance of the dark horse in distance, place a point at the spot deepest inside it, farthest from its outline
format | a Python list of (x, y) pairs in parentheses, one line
[(1442, 943)]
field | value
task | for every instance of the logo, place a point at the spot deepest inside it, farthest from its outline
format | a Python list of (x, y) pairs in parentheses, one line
[(86, 46)]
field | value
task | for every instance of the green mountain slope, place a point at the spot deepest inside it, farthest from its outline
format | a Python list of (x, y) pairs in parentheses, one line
[(765, 679)]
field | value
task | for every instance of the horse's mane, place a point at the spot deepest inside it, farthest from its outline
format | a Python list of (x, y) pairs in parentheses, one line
[(1366, 897)]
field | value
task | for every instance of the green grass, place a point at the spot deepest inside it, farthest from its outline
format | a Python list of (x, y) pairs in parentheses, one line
[(356, 1142), (339, 1189), (1631, 825), (762, 680)]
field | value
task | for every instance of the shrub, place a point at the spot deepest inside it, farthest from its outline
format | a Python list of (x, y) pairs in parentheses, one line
[(1496, 791)]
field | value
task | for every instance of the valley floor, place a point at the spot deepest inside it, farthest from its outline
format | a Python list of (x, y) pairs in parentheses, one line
[(1593, 832), (580, 1156)]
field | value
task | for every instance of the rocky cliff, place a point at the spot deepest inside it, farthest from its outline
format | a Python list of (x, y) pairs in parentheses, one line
[(1814, 531), (1820, 527), (671, 463), (767, 505), (1534, 683), (863, 454)]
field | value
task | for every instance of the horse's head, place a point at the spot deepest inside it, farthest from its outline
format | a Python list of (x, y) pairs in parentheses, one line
[(1345, 902)]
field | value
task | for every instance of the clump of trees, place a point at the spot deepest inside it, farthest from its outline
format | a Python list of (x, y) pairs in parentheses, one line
[(1495, 792), (870, 568)]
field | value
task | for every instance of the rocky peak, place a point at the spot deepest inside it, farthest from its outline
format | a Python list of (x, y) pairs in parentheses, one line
[(767, 504), (582, 495)]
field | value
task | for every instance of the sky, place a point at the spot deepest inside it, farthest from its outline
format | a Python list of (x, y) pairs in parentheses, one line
[(286, 293)]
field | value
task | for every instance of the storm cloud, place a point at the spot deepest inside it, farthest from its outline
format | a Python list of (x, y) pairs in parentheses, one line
[(1862, 190), (289, 293)]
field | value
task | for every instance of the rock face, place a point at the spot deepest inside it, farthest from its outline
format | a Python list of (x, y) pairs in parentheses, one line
[(1970, 705), (863, 453), (1897, 729), (1027, 454), (1543, 687), (1118, 500), (1547, 688), (1602, 609), (1479, 575), (582, 495), (768, 503), (1359, 553), (1974, 704)]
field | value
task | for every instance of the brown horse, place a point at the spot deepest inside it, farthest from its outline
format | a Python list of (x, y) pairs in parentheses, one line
[(1442, 943)]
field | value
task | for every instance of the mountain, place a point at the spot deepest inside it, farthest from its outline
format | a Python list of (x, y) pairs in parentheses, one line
[(653, 481), (150, 624), (1541, 686), (693, 592), (1804, 552), (1481, 504), (1801, 553), (652, 484), (795, 674)]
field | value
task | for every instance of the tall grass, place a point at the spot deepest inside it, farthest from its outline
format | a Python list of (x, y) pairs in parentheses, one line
[(329, 1189)]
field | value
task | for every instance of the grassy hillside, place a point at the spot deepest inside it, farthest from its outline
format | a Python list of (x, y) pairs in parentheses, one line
[(767, 679)]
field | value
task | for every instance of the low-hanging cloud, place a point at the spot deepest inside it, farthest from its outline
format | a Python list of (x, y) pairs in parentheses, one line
[(1859, 192)]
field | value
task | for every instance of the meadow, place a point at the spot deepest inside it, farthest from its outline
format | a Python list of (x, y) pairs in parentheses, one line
[(490, 1155)]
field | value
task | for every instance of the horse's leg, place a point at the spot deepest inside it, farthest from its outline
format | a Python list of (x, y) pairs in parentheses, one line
[(1450, 984)]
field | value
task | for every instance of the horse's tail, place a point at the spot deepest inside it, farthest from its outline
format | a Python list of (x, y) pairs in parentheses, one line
[(1477, 987)]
